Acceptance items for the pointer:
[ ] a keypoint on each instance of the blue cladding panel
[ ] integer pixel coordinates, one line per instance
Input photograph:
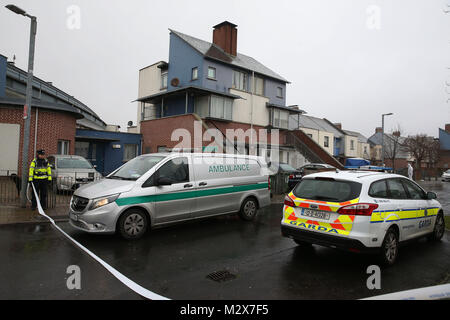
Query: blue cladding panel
(271, 91)
(182, 58)
(107, 158)
(2, 75)
(444, 139)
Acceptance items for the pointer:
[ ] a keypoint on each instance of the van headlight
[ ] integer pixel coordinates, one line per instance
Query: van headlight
(100, 202)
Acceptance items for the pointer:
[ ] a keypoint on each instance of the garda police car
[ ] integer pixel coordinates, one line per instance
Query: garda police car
(361, 211)
(159, 189)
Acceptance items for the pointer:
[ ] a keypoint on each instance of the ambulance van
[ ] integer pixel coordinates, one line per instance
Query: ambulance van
(161, 189)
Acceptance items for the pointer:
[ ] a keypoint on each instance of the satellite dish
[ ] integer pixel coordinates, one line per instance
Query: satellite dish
(130, 123)
(175, 82)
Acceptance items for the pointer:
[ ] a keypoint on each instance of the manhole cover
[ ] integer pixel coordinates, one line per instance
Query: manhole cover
(221, 276)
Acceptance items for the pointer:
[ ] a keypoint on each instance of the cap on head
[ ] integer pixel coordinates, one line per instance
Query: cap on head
(40, 152)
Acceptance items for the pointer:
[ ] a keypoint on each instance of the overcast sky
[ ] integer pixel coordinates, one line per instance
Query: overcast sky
(347, 60)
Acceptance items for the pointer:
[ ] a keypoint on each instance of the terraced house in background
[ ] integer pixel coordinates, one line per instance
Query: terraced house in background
(224, 89)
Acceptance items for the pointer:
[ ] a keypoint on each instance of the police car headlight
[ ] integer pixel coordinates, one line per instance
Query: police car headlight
(100, 202)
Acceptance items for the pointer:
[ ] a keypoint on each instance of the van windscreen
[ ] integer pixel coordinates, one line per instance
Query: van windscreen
(327, 190)
(135, 168)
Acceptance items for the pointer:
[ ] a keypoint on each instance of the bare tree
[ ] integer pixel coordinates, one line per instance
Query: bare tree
(418, 146)
(433, 153)
(393, 145)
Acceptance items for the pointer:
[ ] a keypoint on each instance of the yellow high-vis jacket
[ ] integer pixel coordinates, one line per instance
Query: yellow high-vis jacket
(40, 170)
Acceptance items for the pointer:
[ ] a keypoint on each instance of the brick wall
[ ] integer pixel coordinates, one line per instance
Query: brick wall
(52, 126)
(158, 132)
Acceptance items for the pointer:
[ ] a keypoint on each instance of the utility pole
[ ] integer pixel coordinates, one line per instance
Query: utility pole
(28, 100)
(382, 136)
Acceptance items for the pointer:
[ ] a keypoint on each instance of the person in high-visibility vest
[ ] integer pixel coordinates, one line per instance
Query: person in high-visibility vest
(40, 174)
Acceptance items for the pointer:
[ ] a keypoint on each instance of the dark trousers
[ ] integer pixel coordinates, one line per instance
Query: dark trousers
(41, 190)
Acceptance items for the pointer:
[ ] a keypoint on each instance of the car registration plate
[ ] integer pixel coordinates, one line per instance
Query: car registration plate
(323, 215)
(74, 217)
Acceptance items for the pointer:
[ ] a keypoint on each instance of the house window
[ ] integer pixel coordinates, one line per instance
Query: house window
(326, 142)
(280, 119)
(63, 147)
(212, 73)
(194, 73)
(82, 149)
(259, 86)
(221, 108)
(352, 145)
(279, 92)
(240, 80)
(164, 80)
(130, 151)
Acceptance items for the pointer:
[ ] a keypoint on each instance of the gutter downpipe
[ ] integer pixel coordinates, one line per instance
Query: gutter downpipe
(251, 112)
(35, 131)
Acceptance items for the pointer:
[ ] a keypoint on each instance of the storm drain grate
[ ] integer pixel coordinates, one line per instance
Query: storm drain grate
(221, 276)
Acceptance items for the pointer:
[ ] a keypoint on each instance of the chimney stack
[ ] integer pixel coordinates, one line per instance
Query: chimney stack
(225, 37)
(378, 130)
(396, 133)
(447, 127)
(338, 125)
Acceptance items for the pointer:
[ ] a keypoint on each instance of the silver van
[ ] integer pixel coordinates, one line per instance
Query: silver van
(160, 189)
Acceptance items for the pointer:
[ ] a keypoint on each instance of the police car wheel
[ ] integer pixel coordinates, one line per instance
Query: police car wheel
(439, 228)
(389, 248)
(248, 209)
(133, 224)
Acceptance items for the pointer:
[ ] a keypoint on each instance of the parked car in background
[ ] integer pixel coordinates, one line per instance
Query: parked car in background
(308, 169)
(285, 169)
(446, 175)
(70, 172)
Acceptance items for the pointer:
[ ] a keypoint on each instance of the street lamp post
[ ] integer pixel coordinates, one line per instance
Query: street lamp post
(382, 136)
(27, 106)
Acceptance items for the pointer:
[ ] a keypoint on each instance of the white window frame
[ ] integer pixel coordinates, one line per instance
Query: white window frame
(262, 92)
(280, 92)
(164, 80)
(65, 147)
(326, 141)
(215, 73)
(242, 80)
(194, 76)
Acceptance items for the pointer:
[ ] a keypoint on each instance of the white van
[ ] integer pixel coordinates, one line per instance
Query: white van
(159, 189)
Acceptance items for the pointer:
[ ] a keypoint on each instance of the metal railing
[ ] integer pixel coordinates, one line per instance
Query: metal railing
(59, 190)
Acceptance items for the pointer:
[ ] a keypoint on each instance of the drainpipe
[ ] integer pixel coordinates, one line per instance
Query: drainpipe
(251, 112)
(35, 130)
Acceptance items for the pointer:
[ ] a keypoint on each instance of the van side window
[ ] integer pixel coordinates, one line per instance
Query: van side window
(396, 189)
(414, 191)
(378, 189)
(177, 170)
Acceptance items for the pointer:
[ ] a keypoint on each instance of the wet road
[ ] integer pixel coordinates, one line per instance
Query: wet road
(175, 261)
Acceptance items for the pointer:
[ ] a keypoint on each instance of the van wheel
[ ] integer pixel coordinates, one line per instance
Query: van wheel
(389, 248)
(133, 224)
(249, 209)
(439, 228)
